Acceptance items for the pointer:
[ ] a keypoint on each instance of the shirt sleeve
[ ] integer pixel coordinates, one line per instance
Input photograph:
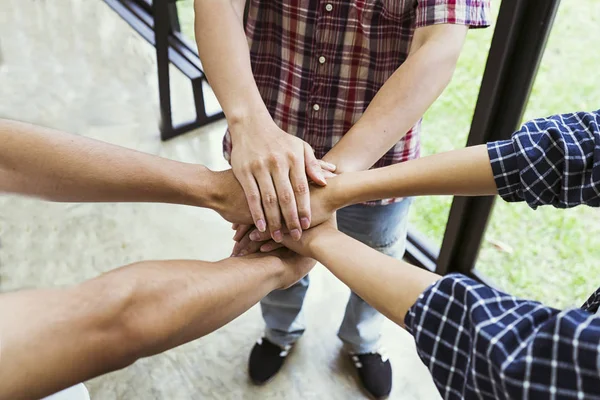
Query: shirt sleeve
(550, 161)
(481, 343)
(473, 13)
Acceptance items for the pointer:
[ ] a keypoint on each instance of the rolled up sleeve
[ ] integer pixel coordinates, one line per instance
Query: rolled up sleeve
(473, 13)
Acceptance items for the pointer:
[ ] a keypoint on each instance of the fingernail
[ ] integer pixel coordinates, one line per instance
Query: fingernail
(277, 236)
(261, 225)
(305, 223)
(295, 234)
(330, 165)
(265, 248)
(243, 253)
(255, 236)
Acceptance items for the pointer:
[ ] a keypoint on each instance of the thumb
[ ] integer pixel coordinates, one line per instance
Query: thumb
(313, 168)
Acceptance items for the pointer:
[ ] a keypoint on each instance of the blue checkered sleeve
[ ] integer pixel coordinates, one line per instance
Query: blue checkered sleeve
(550, 161)
(481, 343)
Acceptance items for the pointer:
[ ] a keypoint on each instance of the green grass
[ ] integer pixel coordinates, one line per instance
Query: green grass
(548, 255)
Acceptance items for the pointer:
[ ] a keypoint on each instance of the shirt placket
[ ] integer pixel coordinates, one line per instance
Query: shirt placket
(317, 106)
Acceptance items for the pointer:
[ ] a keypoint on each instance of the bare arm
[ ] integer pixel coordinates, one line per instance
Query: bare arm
(403, 99)
(223, 49)
(135, 311)
(389, 285)
(462, 172)
(271, 165)
(58, 166)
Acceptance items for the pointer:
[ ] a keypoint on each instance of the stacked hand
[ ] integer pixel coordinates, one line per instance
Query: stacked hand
(275, 190)
(250, 239)
(253, 240)
(230, 202)
(275, 186)
(273, 169)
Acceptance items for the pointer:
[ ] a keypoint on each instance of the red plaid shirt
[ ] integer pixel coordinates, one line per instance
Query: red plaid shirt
(318, 64)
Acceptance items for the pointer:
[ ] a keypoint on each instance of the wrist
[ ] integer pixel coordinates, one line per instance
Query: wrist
(273, 269)
(276, 269)
(342, 164)
(200, 187)
(322, 243)
(242, 120)
(351, 153)
(338, 189)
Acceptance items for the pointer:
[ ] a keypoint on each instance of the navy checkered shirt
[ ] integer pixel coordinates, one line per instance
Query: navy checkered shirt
(481, 343)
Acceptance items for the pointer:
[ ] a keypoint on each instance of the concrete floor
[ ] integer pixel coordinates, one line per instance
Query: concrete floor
(74, 65)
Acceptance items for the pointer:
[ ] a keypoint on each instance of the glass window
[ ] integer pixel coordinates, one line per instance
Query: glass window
(185, 10)
(553, 255)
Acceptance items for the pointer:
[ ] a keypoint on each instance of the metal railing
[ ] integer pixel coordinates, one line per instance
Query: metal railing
(158, 23)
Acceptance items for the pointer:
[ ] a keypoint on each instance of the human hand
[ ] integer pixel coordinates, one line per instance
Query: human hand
(324, 202)
(273, 169)
(228, 198)
(254, 241)
(305, 244)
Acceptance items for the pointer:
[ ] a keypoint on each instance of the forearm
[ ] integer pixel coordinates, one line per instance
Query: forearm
(463, 172)
(57, 166)
(223, 49)
(397, 107)
(389, 285)
(195, 298)
(109, 322)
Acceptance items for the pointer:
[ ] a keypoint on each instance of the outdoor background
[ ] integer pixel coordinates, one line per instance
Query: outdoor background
(549, 255)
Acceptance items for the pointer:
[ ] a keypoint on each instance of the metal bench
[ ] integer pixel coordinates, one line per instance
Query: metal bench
(158, 23)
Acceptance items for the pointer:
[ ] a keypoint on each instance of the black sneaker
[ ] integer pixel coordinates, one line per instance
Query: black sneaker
(266, 359)
(375, 373)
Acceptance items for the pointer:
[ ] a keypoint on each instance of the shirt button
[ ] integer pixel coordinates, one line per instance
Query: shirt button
(322, 60)
(316, 107)
(329, 7)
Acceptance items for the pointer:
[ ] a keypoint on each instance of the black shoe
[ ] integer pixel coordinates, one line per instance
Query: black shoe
(375, 373)
(266, 359)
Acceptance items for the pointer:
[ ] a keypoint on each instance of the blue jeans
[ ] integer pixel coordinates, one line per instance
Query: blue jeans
(380, 227)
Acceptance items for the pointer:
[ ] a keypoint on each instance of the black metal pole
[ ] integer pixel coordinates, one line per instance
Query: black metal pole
(160, 10)
(174, 16)
(517, 47)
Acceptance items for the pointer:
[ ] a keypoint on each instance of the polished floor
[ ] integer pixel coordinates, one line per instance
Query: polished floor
(74, 65)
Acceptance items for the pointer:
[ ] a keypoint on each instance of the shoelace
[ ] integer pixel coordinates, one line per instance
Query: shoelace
(381, 353)
(284, 351)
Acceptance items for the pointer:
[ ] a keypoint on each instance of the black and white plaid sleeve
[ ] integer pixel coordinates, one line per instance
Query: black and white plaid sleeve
(481, 343)
(554, 160)
(592, 304)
